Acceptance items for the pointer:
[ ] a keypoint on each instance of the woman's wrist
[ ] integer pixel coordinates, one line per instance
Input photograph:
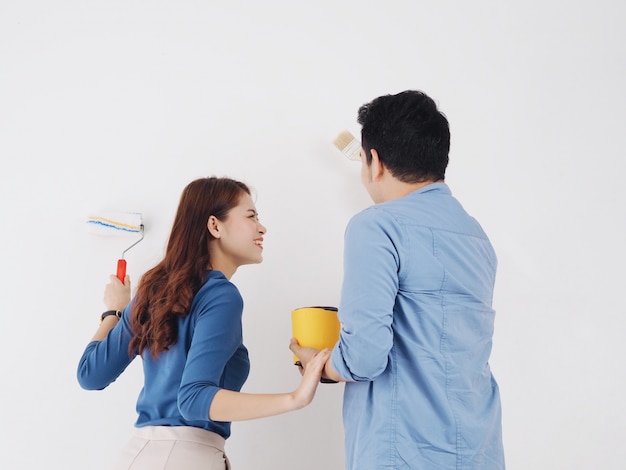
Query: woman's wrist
(111, 313)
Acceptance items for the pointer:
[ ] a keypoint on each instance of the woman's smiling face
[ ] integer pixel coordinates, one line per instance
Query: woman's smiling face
(238, 237)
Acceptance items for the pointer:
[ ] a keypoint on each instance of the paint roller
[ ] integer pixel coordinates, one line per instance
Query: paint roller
(125, 224)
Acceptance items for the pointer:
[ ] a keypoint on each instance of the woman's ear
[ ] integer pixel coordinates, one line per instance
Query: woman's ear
(213, 225)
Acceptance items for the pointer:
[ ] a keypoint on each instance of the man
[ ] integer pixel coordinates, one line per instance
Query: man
(416, 306)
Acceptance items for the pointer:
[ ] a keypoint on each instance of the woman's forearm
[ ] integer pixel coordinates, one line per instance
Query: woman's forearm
(103, 330)
(228, 405)
(236, 406)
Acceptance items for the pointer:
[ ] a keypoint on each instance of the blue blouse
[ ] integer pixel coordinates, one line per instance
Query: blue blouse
(179, 385)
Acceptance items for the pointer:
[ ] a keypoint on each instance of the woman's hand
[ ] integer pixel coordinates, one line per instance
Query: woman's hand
(305, 354)
(311, 376)
(116, 294)
(228, 405)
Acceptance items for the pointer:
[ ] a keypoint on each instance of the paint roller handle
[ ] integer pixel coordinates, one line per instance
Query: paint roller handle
(121, 269)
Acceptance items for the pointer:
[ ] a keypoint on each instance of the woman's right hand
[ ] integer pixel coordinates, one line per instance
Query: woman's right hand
(116, 294)
(311, 376)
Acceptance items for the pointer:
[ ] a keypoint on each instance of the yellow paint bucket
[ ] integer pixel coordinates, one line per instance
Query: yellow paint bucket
(315, 327)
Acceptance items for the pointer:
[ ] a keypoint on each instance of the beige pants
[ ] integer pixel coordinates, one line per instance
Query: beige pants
(173, 448)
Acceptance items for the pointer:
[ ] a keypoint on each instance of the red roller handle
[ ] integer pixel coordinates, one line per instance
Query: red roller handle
(121, 269)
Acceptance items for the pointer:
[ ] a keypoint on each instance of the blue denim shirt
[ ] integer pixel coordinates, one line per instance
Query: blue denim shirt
(417, 326)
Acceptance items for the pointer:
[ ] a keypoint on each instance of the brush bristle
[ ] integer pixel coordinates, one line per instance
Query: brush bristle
(348, 145)
(343, 139)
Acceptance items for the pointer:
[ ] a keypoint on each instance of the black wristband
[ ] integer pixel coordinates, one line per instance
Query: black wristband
(108, 313)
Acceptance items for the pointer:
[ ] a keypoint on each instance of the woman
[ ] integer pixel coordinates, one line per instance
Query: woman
(185, 323)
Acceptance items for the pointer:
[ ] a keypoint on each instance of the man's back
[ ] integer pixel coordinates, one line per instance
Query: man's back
(417, 330)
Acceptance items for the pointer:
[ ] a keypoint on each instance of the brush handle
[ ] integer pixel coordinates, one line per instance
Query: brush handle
(121, 269)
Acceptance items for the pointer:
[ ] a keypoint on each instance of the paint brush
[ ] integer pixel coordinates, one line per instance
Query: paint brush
(348, 145)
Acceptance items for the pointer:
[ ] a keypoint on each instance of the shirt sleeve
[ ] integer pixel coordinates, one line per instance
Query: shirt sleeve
(104, 361)
(370, 286)
(216, 338)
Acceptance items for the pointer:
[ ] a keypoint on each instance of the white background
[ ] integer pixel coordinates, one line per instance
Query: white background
(117, 105)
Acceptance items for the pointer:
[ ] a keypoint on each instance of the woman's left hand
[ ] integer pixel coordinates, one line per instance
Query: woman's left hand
(116, 294)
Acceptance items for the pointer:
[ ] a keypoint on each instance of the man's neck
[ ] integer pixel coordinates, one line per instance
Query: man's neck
(397, 189)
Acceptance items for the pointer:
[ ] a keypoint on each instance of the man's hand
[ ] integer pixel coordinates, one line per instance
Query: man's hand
(304, 354)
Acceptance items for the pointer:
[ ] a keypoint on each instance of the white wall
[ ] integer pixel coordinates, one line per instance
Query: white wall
(117, 105)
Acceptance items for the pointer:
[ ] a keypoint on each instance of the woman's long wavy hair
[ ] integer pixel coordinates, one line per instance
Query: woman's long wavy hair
(165, 292)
